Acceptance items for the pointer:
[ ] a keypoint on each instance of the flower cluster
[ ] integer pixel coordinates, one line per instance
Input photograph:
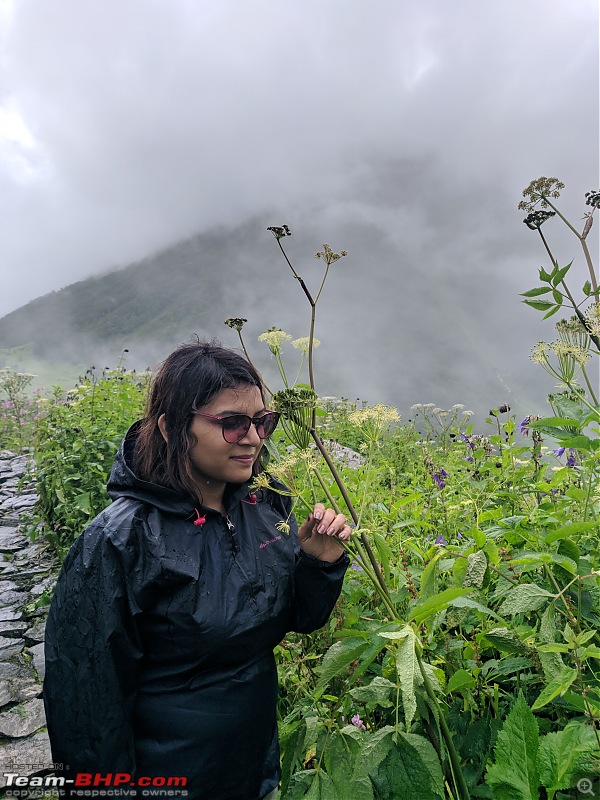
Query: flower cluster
(373, 421)
(439, 478)
(538, 191)
(303, 343)
(329, 256)
(592, 318)
(536, 219)
(593, 199)
(279, 232)
(274, 338)
(237, 323)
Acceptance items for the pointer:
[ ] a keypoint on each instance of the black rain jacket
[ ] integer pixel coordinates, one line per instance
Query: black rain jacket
(160, 637)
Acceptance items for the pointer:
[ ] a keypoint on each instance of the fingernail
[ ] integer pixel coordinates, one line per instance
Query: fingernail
(330, 531)
(321, 529)
(318, 515)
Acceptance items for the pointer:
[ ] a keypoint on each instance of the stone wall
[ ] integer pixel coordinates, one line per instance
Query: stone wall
(28, 571)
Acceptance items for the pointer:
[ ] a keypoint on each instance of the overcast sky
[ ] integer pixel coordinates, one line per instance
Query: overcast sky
(125, 126)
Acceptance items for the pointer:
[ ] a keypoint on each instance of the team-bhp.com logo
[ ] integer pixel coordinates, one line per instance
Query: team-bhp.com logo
(96, 784)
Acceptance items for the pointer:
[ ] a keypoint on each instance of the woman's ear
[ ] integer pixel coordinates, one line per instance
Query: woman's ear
(162, 427)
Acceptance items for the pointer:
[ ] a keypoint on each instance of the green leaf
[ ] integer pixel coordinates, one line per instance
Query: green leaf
(407, 667)
(514, 775)
(468, 602)
(566, 755)
(537, 291)
(476, 568)
(558, 275)
(523, 598)
(539, 305)
(340, 753)
(587, 288)
(552, 663)
(552, 311)
(556, 687)
(428, 577)
(375, 693)
(422, 610)
(460, 680)
(411, 770)
(505, 640)
(570, 529)
(544, 276)
(557, 296)
(336, 660)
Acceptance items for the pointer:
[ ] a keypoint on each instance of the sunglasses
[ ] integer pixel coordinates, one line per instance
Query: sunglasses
(236, 426)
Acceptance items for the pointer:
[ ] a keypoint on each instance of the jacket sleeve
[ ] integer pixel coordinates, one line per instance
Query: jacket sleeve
(317, 587)
(92, 653)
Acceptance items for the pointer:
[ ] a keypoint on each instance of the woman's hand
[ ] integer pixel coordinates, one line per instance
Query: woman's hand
(320, 533)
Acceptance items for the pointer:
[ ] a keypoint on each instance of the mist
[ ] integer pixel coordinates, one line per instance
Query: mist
(399, 132)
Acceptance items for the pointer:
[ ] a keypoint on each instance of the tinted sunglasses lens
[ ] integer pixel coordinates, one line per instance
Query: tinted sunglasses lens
(235, 427)
(267, 424)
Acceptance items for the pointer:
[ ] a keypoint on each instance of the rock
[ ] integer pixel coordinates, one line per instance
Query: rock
(23, 720)
(11, 540)
(26, 756)
(37, 651)
(13, 628)
(10, 598)
(10, 647)
(37, 632)
(9, 614)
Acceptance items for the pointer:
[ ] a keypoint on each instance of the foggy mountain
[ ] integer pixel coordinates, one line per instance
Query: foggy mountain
(396, 322)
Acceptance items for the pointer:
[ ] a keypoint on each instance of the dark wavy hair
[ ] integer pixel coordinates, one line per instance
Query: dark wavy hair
(187, 380)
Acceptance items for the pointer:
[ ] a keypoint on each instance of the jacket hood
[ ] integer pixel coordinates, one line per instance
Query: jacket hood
(123, 482)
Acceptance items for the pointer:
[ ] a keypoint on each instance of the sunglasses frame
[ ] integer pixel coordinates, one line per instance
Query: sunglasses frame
(256, 421)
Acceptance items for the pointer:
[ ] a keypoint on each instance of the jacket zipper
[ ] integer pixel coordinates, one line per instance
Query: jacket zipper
(231, 528)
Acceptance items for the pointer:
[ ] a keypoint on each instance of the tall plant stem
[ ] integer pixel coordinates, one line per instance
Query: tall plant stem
(452, 754)
(336, 476)
(592, 336)
(584, 246)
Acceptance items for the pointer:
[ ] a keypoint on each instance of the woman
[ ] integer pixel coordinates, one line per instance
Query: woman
(160, 637)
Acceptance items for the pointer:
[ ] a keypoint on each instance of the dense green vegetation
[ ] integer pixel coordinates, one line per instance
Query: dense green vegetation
(463, 659)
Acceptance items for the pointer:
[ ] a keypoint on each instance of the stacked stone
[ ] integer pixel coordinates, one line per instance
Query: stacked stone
(28, 572)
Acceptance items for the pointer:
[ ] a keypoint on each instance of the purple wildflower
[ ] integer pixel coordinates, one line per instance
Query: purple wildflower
(524, 426)
(558, 453)
(357, 567)
(357, 722)
(441, 539)
(438, 477)
(571, 458)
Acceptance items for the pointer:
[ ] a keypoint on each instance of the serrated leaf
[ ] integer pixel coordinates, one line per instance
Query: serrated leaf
(559, 275)
(411, 770)
(336, 660)
(552, 312)
(539, 305)
(566, 755)
(556, 687)
(407, 667)
(339, 758)
(537, 291)
(462, 679)
(476, 568)
(468, 602)
(514, 774)
(377, 692)
(523, 598)
(427, 585)
(422, 610)
(552, 663)
(505, 640)
(570, 529)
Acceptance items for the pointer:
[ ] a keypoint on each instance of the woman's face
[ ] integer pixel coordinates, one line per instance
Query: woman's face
(213, 459)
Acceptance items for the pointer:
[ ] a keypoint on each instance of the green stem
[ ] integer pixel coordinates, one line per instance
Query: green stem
(586, 252)
(452, 754)
(350, 507)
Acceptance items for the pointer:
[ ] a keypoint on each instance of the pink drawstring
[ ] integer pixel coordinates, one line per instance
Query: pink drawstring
(200, 520)
(251, 501)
